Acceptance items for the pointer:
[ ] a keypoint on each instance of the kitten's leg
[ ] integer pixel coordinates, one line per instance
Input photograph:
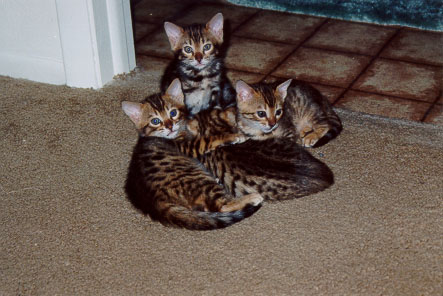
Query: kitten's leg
(311, 136)
(237, 204)
(208, 145)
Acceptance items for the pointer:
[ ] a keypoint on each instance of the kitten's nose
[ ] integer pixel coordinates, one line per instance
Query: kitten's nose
(272, 121)
(168, 124)
(199, 56)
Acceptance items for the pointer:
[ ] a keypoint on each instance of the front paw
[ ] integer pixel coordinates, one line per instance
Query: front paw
(239, 139)
(310, 140)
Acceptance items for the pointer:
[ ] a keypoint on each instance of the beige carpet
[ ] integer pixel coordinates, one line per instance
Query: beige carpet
(68, 229)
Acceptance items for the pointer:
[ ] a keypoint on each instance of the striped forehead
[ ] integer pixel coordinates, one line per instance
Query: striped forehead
(267, 93)
(195, 33)
(156, 102)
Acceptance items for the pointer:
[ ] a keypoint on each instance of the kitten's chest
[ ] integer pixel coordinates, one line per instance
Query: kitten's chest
(200, 95)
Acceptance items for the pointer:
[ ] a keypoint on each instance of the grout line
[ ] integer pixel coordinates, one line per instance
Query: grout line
(371, 61)
(431, 107)
(390, 96)
(244, 22)
(160, 26)
(294, 50)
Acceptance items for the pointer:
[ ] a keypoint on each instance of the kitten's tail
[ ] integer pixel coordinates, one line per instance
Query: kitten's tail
(179, 216)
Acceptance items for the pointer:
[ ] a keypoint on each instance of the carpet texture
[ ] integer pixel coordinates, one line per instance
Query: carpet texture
(67, 228)
(423, 14)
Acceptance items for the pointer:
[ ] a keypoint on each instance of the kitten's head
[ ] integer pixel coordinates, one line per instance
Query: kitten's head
(159, 116)
(196, 45)
(260, 106)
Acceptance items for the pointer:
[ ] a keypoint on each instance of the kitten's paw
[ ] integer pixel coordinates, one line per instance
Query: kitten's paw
(305, 131)
(239, 139)
(310, 140)
(255, 199)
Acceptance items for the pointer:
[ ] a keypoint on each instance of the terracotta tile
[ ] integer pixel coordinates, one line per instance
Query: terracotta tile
(156, 44)
(436, 115)
(204, 12)
(401, 79)
(325, 67)
(280, 27)
(255, 55)
(247, 77)
(416, 46)
(351, 37)
(330, 92)
(157, 11)
(383, 105)
(155, 66)
(142, 29)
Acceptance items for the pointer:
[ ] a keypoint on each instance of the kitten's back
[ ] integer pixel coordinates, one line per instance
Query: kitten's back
(277, 168)
(177, 191)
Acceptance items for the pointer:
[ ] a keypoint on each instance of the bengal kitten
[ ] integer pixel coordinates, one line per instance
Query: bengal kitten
(198, 63)
(289, 109)
(277, 168)
(170, 186)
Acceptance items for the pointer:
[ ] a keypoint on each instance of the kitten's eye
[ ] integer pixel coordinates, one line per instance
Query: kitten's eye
(173, 113)
(261, 114)
(156, 121)
(278, 112)
(188, 49)
(207, 47)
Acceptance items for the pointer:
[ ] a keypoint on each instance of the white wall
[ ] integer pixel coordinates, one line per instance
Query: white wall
(81, 43)
(30, 42)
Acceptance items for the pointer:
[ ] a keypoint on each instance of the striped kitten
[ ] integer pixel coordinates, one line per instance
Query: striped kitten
(276, 168)
(199, 65)
(288, 109)
(169, 186)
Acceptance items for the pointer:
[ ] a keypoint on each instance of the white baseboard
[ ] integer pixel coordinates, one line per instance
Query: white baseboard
(32, 68)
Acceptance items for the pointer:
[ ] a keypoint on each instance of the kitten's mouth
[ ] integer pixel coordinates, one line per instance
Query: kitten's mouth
(268, 130)
(172, 134)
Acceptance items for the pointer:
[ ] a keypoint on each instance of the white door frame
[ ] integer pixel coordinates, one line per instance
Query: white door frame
(96, 40)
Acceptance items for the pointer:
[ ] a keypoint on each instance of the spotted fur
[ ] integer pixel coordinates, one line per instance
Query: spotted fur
(170, 186)
(304, 115)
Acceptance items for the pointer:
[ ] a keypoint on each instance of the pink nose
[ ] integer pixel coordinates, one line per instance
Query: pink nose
(272, 121)
(198, 56)
(168, 124)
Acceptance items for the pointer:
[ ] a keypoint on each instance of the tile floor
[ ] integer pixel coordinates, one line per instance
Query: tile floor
(388, 71)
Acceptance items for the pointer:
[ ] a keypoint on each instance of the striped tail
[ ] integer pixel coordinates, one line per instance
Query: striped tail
(182, 217)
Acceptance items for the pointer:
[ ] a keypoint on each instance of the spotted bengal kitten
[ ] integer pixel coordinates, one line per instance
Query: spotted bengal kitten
(289, 109)
(293, 172)
(170, 186)
(198, 63)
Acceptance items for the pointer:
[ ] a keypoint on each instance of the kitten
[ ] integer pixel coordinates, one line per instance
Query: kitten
(276, 168)
(198, 63)
(165, 116)
(298, 108)
(169, 186)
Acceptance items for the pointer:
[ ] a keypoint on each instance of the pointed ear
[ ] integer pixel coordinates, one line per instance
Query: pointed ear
(134, 111)
(282, 89)
(175, 34)
(215, 26)
(175, 91)
(244, 91)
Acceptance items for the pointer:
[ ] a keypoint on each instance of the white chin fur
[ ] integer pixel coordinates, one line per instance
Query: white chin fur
(268, 130)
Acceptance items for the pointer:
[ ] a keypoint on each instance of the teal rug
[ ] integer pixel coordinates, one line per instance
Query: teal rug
(425, 14)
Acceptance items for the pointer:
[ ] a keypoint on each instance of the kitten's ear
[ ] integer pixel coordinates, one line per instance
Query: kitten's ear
(175, 91)
(175, 34)
(244, 91)
(282, 89)
(215, 26)
(134, 111)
